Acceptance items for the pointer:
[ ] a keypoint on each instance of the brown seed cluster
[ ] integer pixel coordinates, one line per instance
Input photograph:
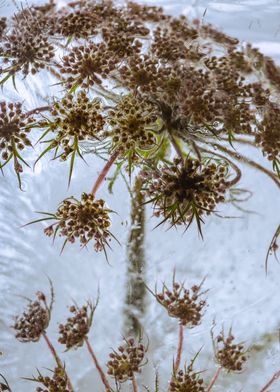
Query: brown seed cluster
(3, 25)
(34, 321)
(145, 12)
(75, 119)
(183, 304)
(56, 383)
(15, 126)
(87, 65)
(268, 135)
(218, 36)
(187, 381)
(126, 361)
(73, 333)
(78, 24)
(26, 51)
(185, 190)
(229, 355)
(131, 123)
(85, 220)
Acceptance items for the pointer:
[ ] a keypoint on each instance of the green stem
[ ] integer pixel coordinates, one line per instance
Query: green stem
(135, 296)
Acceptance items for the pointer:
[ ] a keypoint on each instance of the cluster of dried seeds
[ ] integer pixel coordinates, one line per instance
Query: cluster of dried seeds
(26, 51)
(187, 381)
(86, 65)
(14, 129)
(34, 321)
(267, 136)
(231, 356)
(56, 383)
(77, 326)
(75, 118)
(185, 190)
(85, 220)
(183, 304)
(131, 124)
(127, 361)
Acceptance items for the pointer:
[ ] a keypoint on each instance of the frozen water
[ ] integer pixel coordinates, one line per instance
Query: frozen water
(231, 256)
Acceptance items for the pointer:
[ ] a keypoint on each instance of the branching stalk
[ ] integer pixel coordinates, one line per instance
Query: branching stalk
(271, 381)
(214, 379)
(180, 348)
(134, 384)
(105, 171)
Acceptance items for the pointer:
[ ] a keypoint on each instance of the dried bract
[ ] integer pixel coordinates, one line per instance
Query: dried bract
(126, 361)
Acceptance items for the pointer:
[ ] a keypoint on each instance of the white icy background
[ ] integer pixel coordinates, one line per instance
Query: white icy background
(231, 255)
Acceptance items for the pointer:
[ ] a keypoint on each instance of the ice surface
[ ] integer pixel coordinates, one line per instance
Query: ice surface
(231, 256)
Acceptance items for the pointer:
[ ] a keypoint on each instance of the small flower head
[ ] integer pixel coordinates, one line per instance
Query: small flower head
(56, 383)
(26, 51)
(3, 25)
(87, 65)
(84, 220)
(187, 381)
(77, 24)
(75, 330)
(185, 190)
(183, 304)
(131, 122)
(126, 361)
(268, 136)
(14, 128)
(75, 119)
(229, 355)
(35, 319)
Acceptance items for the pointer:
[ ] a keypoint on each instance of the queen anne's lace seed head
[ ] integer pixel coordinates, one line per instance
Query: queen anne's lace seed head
(131, 122)
(34, 321)
(75, 330)
(78, 24)
(3, 25)
(86, 65)
(85, 220)
(187, 381)
(268, 135)
(229, 355)
(26, 51)
(185, 190)
(14, 128)
(56, 383)
(126, 361)
(75, 119)
(183, 304)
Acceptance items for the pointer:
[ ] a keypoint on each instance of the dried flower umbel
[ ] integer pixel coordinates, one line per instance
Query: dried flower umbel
(56, 383)
(85, 66)
(183, 304)
(35, 319)
(185, 190)
(15, 126)
(126, 361)
(132, 122)
(74, 332)
(86, 219)
(74, 119)
(187, 381)
(26, 52)
(229, 355)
